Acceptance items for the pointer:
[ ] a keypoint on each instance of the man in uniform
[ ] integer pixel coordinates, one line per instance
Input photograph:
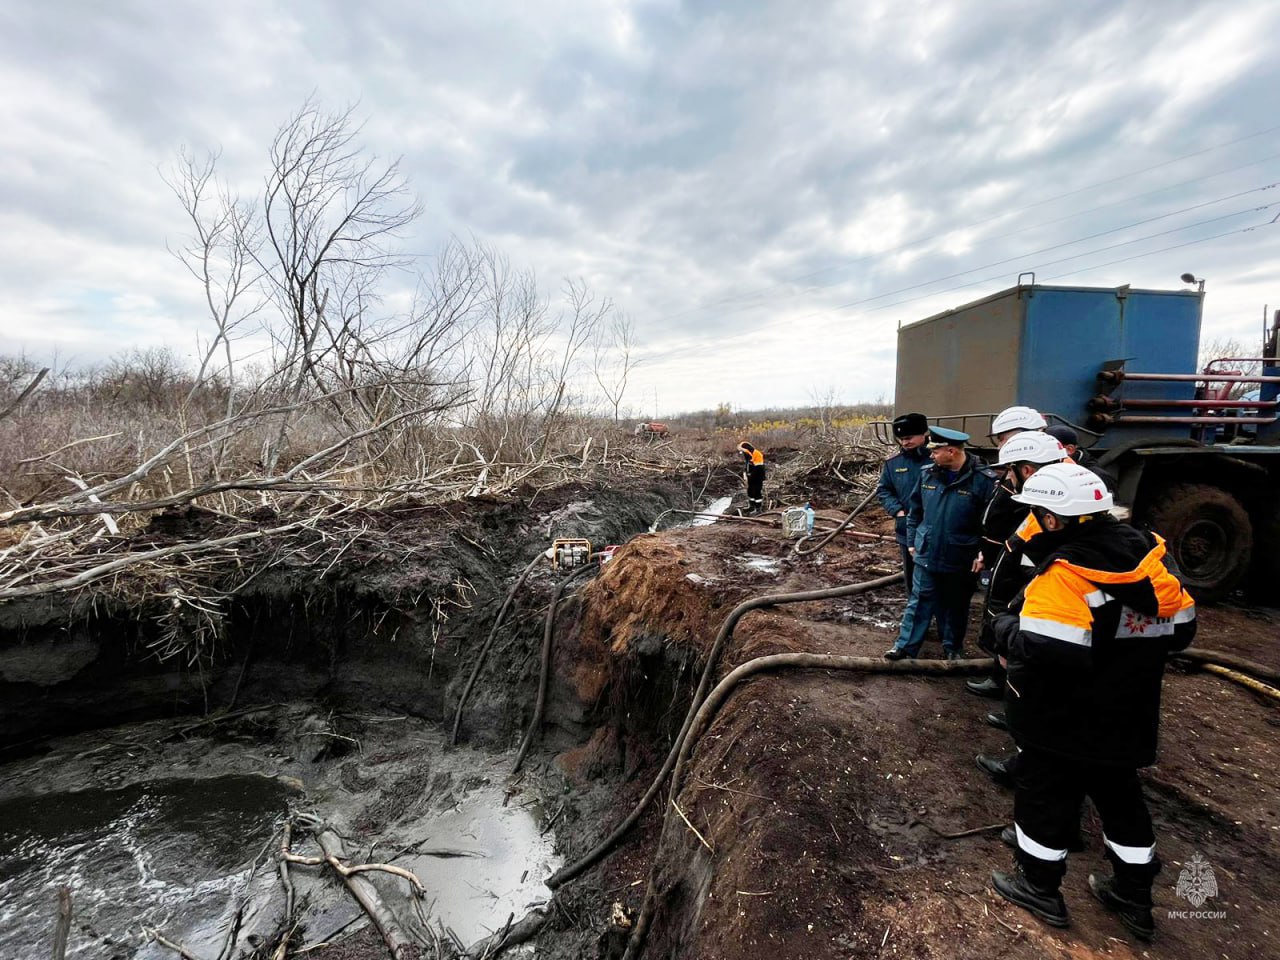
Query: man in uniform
(1086, 647)
(898, 479)
(944, 525)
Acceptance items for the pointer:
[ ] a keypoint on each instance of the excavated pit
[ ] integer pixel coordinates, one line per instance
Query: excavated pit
(814, 802)
(326, 693)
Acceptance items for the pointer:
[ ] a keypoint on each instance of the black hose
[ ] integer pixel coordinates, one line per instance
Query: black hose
(548, 634)
(1224, 659)
(605, 846)
(488, 641)
(716, 698)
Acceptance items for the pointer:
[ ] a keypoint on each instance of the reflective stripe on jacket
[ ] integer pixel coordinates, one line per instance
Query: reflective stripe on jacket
(1087, 645)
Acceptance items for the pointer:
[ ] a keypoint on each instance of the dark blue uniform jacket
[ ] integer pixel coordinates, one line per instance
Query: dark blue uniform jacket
(944, 521)
(898, 479)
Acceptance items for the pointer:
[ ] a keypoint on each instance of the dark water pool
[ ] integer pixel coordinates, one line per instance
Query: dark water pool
(161, 854)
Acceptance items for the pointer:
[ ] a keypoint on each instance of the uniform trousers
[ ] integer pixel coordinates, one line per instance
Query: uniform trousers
(908, 567)
(1048, 792)
(941, 596)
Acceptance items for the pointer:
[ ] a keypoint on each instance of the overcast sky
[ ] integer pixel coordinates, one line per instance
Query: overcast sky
(767, 189)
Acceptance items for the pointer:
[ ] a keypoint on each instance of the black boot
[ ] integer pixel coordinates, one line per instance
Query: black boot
(1132, 906)
(998, 770)
(986, 687)
(1047, 904)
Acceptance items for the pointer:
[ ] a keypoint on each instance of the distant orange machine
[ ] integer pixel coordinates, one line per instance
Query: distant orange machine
(651, 430)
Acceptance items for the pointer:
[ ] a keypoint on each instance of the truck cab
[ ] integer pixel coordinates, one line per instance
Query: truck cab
(1194, 460)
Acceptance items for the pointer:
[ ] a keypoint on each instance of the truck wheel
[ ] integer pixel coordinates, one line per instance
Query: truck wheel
(1208, 534)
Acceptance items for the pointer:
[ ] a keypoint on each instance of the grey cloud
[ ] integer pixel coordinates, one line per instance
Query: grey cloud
(723, 171)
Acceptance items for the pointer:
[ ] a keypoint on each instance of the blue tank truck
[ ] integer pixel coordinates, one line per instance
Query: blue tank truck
(1121, 367)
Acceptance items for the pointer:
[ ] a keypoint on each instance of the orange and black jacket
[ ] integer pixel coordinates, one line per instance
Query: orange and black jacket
(1087, 643)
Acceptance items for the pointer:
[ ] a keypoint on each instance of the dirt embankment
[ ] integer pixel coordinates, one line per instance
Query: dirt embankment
(813, 808)
(391, 623)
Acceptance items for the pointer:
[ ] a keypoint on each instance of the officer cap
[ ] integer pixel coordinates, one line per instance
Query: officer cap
(910, 425)
(945, 437)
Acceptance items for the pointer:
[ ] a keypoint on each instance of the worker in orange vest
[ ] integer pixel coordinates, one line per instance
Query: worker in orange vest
(753, 471)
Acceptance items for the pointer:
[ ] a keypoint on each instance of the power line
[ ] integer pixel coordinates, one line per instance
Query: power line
(1176, 246)
(1128, 199)
(1055, 246)
(1088, 253)
(1043, 250)
(1096, 266)
(1031, 206)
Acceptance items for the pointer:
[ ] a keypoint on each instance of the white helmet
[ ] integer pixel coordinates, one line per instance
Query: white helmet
(1032, 447)
(1067, 489)
(1017, 418)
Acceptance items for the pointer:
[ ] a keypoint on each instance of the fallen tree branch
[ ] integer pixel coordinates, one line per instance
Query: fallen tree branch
(66, 446)
(164, 941)
(102, 570)
(62, 931)
(511, 936)
(365, 893)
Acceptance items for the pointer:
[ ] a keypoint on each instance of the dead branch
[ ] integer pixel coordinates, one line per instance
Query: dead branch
(164, 941)
(108, 521)
(365, 893)
(8, 411)
(71, 505)
(66, 446)
(511, 936)
(62, 931)
(104, 569)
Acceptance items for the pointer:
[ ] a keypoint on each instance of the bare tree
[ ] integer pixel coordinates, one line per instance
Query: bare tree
(221, 254)
(826, 405)
(329, 215)
(578, 325)
(614, 360)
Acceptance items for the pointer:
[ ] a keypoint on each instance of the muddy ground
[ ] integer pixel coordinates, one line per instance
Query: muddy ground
(819, 796)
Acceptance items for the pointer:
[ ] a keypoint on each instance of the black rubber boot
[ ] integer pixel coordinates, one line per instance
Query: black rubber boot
(986, 687)
(1133, 907)
(997, 770)
(1046, 904)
